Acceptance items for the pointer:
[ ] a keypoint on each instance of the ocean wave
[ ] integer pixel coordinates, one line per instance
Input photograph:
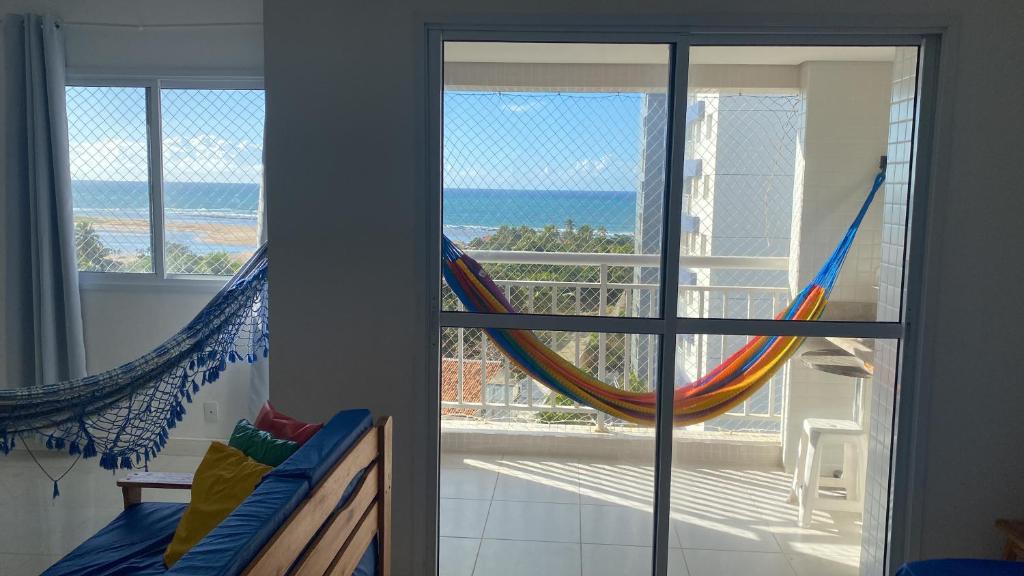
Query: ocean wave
(469, 232)
(175, 213)
(232, 213)
(142, 211)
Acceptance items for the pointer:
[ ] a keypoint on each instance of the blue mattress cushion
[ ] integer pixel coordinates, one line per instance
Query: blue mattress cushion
(962, 567)
(312, 461)
(229, 547)
(368, 563)
(133, 543)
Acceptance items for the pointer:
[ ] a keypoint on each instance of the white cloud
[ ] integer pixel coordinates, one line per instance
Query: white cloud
(521, 107)
(109, 159)
(200, 158)
(592, 166)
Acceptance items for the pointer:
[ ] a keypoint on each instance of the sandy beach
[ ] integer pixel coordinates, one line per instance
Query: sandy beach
(225, 232)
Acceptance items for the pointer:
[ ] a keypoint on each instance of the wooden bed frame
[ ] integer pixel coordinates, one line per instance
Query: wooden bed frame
(317, 539)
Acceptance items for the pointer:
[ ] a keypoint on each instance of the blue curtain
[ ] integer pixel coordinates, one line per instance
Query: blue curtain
(42, 336)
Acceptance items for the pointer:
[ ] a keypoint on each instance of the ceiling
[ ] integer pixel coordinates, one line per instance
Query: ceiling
(789, 55)
(553, 53)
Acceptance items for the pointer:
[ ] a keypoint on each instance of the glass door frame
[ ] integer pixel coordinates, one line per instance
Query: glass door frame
(904, 462)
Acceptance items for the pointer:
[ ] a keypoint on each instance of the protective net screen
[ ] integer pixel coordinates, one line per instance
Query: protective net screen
(560, 197)
(737, 202)
(547, 172)
(479, 384)
(212, 166)
(109, 156)
(211, 144)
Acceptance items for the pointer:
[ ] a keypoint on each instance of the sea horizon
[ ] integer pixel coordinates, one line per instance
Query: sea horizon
(120, 209)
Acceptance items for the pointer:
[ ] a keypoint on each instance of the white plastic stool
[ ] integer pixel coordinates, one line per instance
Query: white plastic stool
(807, 481)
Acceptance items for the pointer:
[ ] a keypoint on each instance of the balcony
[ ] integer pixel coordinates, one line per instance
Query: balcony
(532, 483)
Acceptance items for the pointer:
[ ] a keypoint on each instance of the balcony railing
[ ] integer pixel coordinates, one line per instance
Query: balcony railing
(478, 382)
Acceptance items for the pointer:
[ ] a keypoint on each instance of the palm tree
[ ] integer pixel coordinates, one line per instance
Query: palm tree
(93, 254)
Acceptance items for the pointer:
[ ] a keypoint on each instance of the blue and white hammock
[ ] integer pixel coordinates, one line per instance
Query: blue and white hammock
(124, 415)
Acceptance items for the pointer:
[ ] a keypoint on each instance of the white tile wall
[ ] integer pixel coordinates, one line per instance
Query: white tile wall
(844, 134)
(894, 215)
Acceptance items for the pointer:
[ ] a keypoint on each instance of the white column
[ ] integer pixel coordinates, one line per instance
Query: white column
(846, 114)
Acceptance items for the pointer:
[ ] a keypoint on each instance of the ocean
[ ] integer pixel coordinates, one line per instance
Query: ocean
(121, 210)
(468, 213)
(471, 213)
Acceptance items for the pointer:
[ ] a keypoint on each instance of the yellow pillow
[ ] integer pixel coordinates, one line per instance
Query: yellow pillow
(223, 480)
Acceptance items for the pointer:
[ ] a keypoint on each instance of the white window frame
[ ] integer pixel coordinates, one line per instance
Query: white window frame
(154, 84)
(903, 515)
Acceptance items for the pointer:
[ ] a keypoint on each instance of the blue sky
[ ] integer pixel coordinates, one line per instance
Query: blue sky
(208, 135)
(542, 141)
(534, 141)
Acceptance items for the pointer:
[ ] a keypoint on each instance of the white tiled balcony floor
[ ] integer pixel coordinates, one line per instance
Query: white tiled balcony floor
(522, 516)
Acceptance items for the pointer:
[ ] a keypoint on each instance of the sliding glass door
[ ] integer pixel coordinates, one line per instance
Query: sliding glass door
(670, 300)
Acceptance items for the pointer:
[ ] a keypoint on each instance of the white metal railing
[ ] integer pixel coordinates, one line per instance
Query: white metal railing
(481, 383)
(635, 260)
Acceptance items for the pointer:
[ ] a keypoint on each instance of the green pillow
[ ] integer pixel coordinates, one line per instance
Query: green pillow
(260, 445)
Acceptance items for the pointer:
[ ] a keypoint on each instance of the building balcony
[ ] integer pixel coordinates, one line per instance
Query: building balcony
(532, 483)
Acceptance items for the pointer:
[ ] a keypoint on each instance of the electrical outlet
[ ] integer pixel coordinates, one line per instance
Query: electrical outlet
(211, 411)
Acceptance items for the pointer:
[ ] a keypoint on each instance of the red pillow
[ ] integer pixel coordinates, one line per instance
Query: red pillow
(285, 427)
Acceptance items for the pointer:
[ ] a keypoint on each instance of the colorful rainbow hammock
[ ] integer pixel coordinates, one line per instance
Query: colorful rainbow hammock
(123, 416)
(715, 393)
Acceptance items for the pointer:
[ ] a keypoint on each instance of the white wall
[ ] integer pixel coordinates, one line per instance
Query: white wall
(156, 34)
(345, 157)
(3, 204)
(122, 323)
